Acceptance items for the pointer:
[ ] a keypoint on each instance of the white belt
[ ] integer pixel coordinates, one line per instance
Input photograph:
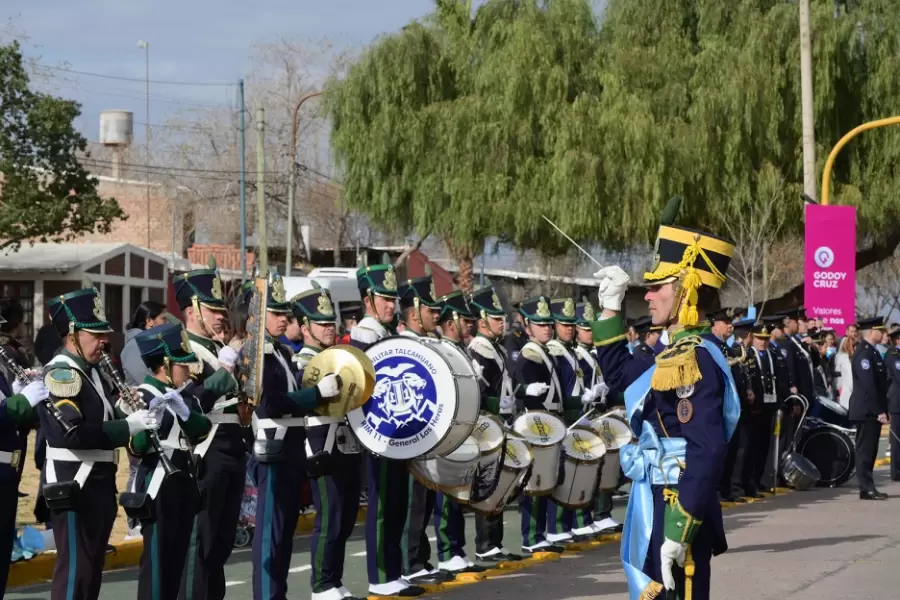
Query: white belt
(315, 421)
(11, 458)
(87, 458)
(276, 423)
(222, 419)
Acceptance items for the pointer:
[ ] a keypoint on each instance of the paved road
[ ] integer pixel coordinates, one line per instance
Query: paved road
(821, 544)
(120, 585)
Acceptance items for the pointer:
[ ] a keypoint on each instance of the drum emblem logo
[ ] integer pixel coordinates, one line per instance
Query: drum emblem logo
(403, 401)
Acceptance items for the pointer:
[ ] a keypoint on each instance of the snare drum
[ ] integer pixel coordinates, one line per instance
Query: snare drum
(544, 432)
(615, 433)
(426, 399)
(582, 452)
(514, 472)
(452, 474)
(490, 436)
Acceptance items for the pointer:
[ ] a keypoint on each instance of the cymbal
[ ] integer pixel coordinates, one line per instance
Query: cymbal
(356, 372)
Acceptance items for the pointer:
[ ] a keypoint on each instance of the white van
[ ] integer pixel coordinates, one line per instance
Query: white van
(342, 290)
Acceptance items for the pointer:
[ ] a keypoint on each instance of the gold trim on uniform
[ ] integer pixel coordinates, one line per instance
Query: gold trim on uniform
(98, 307)
(543, 309)
(217, 288)
(495, 301)
(278, 290)
(390, 280)
(689, 238)
(588, 311)
(325, 307)
(569, 308)
(185, 341)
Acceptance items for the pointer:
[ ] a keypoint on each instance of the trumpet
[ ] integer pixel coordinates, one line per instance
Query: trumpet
(22, 377)
(129, 398)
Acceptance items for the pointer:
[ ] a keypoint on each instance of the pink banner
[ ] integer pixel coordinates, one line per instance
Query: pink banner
(829, 273)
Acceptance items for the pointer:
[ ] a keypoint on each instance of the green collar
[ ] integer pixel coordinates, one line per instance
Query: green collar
(80, 362)
(315, 349)
(683, 332)
(156, 383)
(204, 341)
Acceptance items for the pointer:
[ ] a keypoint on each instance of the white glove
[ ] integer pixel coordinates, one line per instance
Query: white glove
(588, 397)
(329, 387)
(600, 390)
(174, 401)
(612, 287)
(536, 389)
(35, 392)
(141, 420)
(671, 552)
(227, 356)
(479, 370)
(507, 403)
(18, 386)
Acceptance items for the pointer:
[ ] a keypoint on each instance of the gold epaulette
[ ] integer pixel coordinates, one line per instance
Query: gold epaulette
(677, 366)
(63, 382)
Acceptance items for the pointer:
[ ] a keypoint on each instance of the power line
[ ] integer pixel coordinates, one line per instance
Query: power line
(137, 79)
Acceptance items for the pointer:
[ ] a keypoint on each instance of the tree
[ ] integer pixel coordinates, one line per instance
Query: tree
(473, 128)
(469, 128)
(47, 194)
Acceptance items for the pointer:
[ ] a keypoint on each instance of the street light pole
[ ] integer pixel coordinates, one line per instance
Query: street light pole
(292, 182)
(807, 111)
(146, 47)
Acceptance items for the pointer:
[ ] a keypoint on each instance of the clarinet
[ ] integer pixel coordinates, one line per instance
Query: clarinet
(128, 397)
(23, 378)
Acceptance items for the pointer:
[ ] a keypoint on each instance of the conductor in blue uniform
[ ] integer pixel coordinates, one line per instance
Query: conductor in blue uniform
(684, 409)
(278, 465)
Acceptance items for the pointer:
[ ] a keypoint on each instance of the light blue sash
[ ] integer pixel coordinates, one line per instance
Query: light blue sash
(654, 461)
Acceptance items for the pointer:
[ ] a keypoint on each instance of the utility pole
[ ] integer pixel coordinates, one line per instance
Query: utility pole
(146, 47)
(243, 145)
(261, 191)
(807, 103)
(292, 183)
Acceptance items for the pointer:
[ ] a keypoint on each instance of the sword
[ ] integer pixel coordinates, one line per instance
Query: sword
(573, 242)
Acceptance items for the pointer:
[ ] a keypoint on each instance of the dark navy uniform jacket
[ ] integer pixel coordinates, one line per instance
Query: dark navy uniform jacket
(892, 362)
(529, 369)
(703, 427)
(646, 354)
(870, 383)
(483, 350)
(208, 387)
(17, 418)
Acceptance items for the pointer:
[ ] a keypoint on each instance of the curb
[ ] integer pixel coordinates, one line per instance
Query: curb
(126, 554)
(882, 462)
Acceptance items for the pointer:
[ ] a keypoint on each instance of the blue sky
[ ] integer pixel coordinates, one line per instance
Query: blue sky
(190, 40)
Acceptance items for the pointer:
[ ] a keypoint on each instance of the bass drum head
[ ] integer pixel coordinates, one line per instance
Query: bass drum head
(831, 451)
(540, 428)
(413, 406)
(488, 433)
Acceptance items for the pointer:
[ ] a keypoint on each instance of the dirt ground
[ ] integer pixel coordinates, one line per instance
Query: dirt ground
(31, 478)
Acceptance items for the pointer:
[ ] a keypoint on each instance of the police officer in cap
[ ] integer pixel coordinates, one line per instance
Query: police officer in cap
(457, 322)
(278, 465)
(166, 503)
(388, 480)
(892, 362)
(538, 388)
(686, 409)
(496, 399)
(648, 337)
(83, 434)
(333, 458)
(223, 454)
(20, 399)
(419, 312)
(868, 404)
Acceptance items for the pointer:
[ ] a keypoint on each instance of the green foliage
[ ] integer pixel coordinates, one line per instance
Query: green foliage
(474, 127)
(46, 193)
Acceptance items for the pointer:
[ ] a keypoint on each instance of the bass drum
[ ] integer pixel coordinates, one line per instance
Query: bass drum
(453, 475)
(426, 399)
(831, 450)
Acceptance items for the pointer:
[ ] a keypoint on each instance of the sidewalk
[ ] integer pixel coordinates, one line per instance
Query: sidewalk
(822, 544)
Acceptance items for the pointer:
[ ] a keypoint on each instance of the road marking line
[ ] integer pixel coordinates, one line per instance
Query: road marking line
(300, 569)
(231, 583)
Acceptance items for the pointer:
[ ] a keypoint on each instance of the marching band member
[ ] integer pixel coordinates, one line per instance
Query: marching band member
(223, 454)
(419, 312)
(278, 466)
(559, 519)
(601, 522)
(17, 419)
(497, 399)
(388, 480)
(333, 458)
(539, 387)
(456, 322)
(169, 504)
(685, 409)
(83, 433)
